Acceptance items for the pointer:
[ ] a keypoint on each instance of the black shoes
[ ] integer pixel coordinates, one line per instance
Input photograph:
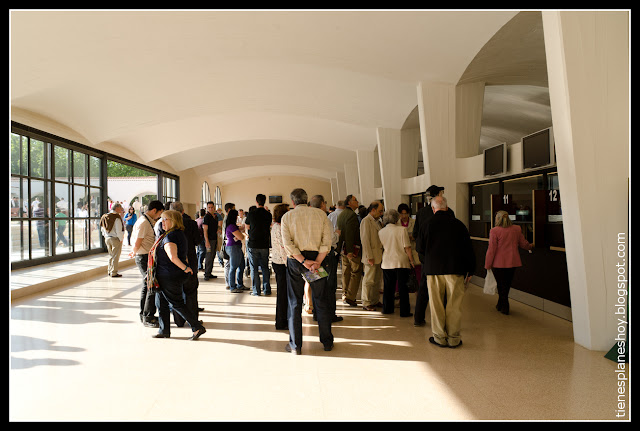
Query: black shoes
(197, 334)
(433, 341)
(151, 322)
(159, 335)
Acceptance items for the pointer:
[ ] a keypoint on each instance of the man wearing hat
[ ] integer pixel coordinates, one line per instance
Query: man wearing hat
(422, 218)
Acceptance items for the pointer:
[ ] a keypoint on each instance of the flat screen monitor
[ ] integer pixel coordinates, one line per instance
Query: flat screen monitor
(538, 150)
(273, 199)
(495, 160)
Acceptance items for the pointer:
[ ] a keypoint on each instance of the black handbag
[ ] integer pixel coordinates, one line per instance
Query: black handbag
(412, 283)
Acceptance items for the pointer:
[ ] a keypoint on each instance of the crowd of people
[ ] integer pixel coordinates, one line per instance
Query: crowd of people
(305, 243)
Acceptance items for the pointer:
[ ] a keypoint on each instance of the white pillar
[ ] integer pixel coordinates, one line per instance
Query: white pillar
(410, 141)
(469, 104)
(436, 105)
(351, 179)
(366, 160)
(588, 67)
(335, 193)
(342, 184)
(390, 155)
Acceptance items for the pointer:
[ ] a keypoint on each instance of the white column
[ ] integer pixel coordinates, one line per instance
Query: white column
(390, 155)
(436, 105)
(366, 160)
(469, 104)
(410, 141)
(588, 67)
(342, 184)
(335, 193)
(351, 179)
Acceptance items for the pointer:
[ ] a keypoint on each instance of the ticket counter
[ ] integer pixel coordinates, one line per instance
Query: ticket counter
(532, 201)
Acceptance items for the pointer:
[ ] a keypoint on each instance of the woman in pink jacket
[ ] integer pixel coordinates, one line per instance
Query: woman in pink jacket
(503, 257)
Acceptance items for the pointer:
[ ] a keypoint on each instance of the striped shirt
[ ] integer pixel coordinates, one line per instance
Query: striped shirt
(305, 228)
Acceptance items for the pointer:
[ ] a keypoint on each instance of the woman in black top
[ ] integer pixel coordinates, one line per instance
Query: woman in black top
(171, 273)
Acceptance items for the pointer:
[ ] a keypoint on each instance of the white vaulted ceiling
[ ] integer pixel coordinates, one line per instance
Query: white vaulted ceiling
(227, 93)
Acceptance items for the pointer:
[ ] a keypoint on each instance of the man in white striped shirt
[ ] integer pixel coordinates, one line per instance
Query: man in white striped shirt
(306, 237)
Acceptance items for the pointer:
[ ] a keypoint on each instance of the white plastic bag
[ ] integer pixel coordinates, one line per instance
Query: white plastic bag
(490, 284)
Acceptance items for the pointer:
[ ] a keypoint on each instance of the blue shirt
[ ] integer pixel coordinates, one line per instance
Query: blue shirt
(131, 220)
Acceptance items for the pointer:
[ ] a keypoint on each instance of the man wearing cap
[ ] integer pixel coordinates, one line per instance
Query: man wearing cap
(422, 218)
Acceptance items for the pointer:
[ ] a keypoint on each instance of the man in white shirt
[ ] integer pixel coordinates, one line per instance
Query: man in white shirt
(306, 237)
(112, 228)
(143, 238)
(333, 217)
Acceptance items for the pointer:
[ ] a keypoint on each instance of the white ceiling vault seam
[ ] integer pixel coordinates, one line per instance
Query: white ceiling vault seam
(226, 92)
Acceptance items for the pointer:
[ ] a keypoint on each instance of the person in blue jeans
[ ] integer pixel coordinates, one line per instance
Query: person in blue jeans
(233, 247)
(258, 227)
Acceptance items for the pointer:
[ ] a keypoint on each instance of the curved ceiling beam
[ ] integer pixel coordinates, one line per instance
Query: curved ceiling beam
(172, 141)
(287, 150)
(259, 161)
(234, 175)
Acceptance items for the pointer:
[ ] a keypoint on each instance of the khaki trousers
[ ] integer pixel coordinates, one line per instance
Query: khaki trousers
(114, 248)
(445, 322)
(351, 276)
(371, 283)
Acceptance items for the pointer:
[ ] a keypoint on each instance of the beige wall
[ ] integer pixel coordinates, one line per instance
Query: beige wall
(243, 193)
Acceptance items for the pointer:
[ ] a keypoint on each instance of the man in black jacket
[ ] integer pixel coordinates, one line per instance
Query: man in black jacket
(422, 218)
(448, 265)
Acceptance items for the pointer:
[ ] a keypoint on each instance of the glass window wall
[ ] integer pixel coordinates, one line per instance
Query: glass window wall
(58, 194)
(53, 212)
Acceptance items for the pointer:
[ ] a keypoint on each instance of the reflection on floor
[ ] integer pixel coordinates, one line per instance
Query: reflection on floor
(80, 353)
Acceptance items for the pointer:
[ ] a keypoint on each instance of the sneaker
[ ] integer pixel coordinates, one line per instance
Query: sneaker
(287, 348)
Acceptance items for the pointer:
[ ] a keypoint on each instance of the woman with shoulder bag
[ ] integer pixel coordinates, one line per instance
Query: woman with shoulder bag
(397, 263)
(171, 271)
(233, 248)
(502, 255)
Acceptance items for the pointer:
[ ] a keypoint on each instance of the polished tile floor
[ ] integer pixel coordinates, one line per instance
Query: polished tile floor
(79, 353)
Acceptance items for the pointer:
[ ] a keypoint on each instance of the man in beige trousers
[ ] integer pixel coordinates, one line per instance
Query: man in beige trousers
(112, 228)
(449, 264)
(371, 256)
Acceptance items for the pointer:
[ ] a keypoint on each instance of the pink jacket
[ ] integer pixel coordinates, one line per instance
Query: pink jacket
(503, 247)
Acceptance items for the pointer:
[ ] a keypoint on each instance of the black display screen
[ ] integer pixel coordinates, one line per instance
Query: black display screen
(536, 150)
(495, 160)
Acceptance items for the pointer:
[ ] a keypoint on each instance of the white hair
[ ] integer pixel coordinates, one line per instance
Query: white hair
(439, 203)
